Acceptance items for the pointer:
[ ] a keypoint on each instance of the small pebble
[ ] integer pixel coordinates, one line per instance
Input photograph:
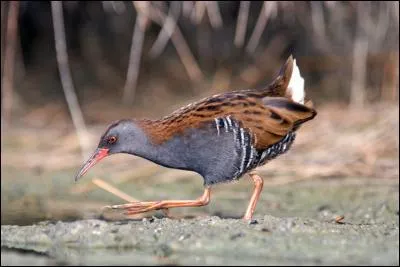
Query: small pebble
(339, 219)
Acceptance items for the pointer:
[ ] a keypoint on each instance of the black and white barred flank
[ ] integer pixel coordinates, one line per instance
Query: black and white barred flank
(249, 156)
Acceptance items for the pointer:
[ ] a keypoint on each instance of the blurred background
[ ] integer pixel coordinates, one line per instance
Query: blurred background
(70, 68)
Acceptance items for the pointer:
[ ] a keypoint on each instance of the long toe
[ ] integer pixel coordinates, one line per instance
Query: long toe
(136, 211)
(129, 205)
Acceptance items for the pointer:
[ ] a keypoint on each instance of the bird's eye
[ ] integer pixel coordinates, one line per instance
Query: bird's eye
(112, 140)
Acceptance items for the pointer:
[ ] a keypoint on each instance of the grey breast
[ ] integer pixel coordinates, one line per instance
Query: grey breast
(223, 150)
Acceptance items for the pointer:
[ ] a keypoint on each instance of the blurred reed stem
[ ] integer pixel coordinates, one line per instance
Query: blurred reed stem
(66, 78)
(9, 60)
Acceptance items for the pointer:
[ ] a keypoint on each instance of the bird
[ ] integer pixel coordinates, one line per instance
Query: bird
(222, 137)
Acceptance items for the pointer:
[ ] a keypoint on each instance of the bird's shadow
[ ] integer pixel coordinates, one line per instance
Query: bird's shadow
(160, 216)
(226, 216)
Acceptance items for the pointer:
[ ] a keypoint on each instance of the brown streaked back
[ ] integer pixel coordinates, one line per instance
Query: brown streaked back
(267, 119)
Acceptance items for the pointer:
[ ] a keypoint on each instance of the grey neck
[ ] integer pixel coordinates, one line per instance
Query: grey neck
(169, 154)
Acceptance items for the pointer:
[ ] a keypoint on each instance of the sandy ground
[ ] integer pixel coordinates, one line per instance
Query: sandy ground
(295, 224)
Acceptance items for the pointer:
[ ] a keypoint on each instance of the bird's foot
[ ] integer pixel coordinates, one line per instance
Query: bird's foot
(138, 207)
(145, 206)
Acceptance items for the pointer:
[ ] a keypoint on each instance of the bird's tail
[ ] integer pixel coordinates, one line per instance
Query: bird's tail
(288, 83)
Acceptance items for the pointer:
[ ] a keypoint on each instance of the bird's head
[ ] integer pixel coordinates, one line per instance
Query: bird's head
(123, 136)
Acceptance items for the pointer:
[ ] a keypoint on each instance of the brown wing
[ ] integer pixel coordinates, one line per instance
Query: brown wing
(280, 117)
(267, 119)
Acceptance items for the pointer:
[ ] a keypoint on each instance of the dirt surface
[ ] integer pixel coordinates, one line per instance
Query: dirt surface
(295, 224)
